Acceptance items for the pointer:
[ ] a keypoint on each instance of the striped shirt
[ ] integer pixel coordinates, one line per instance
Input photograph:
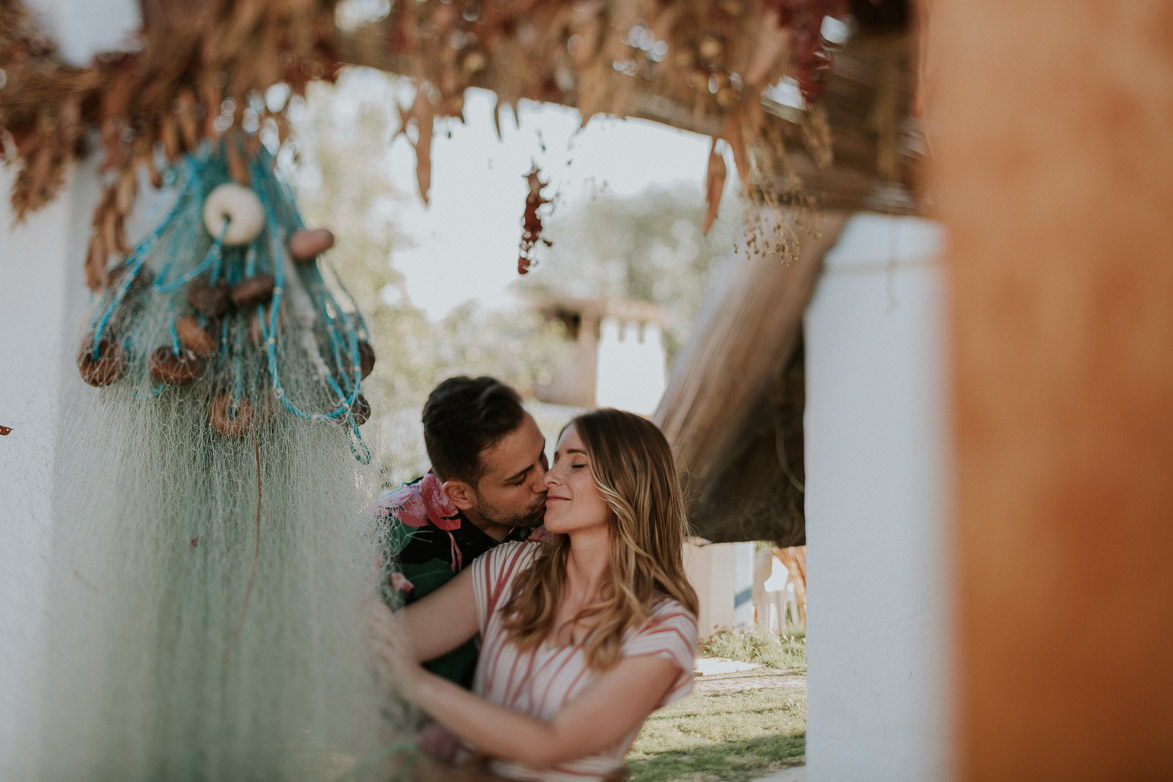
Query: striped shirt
(540, 681)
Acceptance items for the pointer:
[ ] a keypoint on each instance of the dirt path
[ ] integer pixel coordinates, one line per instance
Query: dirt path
(756, 679)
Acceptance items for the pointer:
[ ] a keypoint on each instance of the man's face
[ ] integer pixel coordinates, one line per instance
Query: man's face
(512, 489)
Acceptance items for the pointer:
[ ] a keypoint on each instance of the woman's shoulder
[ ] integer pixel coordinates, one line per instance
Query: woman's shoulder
(668, 617)
(512, 551)
(665, 605)
(667, 608)
(670, 632)
(495, 570)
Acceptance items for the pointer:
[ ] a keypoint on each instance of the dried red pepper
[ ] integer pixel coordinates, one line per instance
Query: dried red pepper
(532, 221)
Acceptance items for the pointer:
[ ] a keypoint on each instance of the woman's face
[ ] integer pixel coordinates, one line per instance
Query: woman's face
(573, 502)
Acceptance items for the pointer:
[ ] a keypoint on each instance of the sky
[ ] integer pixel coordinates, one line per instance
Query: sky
(466, 240)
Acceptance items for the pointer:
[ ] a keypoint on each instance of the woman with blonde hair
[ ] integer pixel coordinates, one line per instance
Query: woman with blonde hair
(584, 634)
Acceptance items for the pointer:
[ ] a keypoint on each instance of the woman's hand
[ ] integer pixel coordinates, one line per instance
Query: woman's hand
(387, 636)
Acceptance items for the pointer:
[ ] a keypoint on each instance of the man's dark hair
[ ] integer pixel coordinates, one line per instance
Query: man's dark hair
(462, 417)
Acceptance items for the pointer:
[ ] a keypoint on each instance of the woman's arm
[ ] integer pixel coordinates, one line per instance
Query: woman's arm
(433, 625)
(604, 713)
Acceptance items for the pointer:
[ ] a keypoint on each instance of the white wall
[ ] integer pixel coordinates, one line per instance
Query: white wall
(877, 624)
(723, 576)
(43, 291)
(631, 374)
(42, 295)
(709, 569)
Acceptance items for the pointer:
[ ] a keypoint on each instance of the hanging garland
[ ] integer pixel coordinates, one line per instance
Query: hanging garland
(531, 221)
(206, 67)
(201, 68)
(714, 57)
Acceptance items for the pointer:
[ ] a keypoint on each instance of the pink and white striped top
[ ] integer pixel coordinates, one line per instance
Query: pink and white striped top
(540, 681)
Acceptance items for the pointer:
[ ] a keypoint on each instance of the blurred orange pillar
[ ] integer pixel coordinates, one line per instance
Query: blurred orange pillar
(1054, 175)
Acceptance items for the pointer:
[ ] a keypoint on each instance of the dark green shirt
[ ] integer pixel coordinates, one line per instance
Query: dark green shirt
(427, 542)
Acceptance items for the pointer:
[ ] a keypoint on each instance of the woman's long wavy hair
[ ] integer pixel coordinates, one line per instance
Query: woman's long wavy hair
(632, 467)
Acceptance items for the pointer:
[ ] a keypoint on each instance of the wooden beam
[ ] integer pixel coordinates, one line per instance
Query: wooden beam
(872, 73)
(1056, 183)
(741, 342)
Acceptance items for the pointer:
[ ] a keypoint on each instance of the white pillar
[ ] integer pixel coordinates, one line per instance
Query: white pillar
(877, 580)
(42, 294)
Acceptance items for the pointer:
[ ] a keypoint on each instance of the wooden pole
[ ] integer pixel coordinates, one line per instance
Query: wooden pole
(740, 344)
(1055, 178)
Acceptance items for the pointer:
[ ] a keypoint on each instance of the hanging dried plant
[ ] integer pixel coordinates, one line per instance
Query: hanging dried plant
(713, 56)
(714, 186)
(204, 68)
(531, 221)
(200, 70)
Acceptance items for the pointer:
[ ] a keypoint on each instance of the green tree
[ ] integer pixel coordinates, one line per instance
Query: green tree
(645, 248)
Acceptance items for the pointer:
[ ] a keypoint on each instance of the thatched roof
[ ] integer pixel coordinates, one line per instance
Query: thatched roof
(733, 407)
(201, 72)
(844, 142)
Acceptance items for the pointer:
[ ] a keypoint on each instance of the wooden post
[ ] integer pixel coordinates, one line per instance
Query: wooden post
(1055, 178)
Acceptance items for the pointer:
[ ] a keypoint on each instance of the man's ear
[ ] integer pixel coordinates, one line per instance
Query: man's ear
(461, 494)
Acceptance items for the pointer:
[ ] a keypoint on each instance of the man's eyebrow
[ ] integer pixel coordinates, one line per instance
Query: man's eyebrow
(517, 475)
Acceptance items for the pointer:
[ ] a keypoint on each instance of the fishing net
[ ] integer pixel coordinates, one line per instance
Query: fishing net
(204, 618)
(205, 297)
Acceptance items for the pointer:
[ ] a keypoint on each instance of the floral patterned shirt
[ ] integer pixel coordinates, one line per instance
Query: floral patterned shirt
(426, 543)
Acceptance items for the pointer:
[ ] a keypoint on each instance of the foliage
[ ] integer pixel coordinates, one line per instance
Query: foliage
(343, 184)
(760, 646)
(727, 736)
(644, 248)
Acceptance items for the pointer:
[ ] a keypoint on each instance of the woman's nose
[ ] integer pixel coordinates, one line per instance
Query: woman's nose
(550, 478)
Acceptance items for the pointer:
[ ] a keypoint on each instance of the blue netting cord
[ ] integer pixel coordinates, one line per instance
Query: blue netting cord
(238, 364)
(189, 182)
(362, 453)
(171, 322)
(337, 329)
(211, 260)
(134, 264)
(356, 312)
(158, 390)
(223, 344)
(250, 261)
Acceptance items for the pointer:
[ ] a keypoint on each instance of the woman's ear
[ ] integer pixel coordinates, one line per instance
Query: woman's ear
(461, 494)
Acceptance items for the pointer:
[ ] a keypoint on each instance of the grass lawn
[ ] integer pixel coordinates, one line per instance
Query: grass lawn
(730, 728)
